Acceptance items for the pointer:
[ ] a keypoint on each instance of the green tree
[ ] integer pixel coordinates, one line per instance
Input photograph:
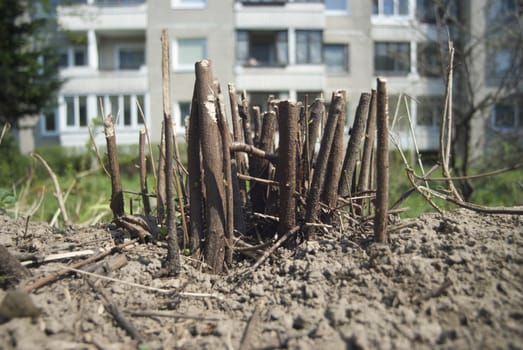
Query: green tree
(29, 78)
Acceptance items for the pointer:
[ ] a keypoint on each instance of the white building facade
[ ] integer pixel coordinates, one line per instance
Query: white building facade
(287, 49)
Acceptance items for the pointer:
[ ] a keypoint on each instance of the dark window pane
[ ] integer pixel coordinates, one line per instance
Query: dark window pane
(308, 46)
(127, 110)
(375, 7)
(64, 61)
(504, 115)
(50, 121)
(392, 58)
(82, 109)
(131, 58)
(242, 46)
(185, 111)
(114, 108)
(335, 57)
(79, 57)
(70, 118)
(282, 47)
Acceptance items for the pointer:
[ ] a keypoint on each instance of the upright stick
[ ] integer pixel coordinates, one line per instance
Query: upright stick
(382, 194)
(354, 145)
(318, 179)
(368, 148)
(195, 180)
(172, 263)
(288, 124)
(143, 174)
(212, 155)
(335, 164)
(117, 205)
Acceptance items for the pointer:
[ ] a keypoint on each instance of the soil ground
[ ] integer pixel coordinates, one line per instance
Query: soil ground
(444, 282)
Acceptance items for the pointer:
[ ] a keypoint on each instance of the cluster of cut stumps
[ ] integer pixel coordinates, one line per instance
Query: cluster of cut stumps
(279, 177)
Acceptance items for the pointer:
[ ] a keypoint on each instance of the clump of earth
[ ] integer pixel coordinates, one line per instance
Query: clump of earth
(451, 281)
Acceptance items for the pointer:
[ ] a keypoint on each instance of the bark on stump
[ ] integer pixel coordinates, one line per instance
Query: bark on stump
(212, 157)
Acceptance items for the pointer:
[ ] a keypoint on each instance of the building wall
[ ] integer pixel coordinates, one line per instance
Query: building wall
(219, 21)
(213, 22)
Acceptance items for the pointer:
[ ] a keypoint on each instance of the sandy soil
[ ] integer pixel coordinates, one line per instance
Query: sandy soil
(451, 282)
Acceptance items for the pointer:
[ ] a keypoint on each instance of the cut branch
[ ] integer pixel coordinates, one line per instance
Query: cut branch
(242, 147)
(382, 194)
(354, 145)
(172, 262)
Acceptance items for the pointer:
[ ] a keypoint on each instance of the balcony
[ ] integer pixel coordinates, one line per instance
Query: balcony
(114, 3)
(275, 2)
(104, 15)
(297, 77)
(269, 14)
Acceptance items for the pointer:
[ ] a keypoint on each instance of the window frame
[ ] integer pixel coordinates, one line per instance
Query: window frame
(43, 123)
(493, 115)
(427, 67)
(244, 51)
(121, 110)
(339, 12)
(70, 53)
(379, 10)
(186, 67)
(346, 58)
(188, 5)
(309, 42)
(135, 47)
(77, 112)
(396, 62)
(434, 103)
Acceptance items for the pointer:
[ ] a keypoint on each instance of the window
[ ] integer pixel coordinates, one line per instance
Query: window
(188, 4)
(188, 52)
(429, 110)
(131, 58)
(504, 115)
(502, 10)
(73, 57)
(70, 111)
(124, 108)
(184, 112)
(390, 7)
(109, 3)
(336, 5)
(429, 59)
(127, 110)
(432, 11)
(49, 123)
(262, 48)
(392, 58)
(82, 110)
(308, 46)
(503, 61)
(336, 57)
(75, 111)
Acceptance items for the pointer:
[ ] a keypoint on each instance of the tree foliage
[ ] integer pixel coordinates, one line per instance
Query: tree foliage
(29, 76)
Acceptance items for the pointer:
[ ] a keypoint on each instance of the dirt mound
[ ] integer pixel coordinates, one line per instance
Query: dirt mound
(452, 282)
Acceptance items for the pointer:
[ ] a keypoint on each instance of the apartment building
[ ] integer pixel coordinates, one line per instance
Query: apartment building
(104, 68)
(283, 48)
